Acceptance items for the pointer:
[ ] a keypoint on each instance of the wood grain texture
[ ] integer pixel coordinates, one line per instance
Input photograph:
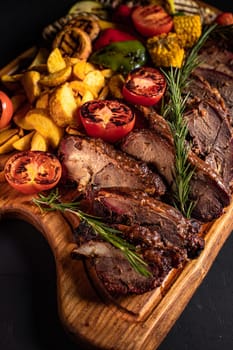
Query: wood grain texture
(131, 322)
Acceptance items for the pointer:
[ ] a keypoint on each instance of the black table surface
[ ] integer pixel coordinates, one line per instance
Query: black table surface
(28, 307)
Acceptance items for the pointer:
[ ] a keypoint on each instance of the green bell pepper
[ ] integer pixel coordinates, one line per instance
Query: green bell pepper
(122, 56)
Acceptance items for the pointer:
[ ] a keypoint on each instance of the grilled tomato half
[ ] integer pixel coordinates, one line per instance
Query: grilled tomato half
(109, 120)
(151, 20)
(31, 172)
(144, 86)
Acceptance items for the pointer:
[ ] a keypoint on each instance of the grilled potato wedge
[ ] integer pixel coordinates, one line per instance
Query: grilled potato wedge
(56, 78)
(24, 143)
(62, 106)
(6, 134)
(80, 88)
(30, 82)
(39, 143)
(43, 100)
(12, 82)
(39, 119)
(95, 81)
(19, 117)
(81, 68)
(115, 85)
(55, 61)
(8, 145)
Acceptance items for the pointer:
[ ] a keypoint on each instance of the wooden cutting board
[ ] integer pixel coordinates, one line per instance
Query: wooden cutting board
(132, 322)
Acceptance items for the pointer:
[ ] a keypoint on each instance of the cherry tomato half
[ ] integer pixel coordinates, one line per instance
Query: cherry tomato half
(224, 18)
(151, 20)
(107, 119)
(6, 110)
(144, 86)
(33, 171)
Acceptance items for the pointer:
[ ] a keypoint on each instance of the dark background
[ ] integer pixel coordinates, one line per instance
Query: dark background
(28, 307)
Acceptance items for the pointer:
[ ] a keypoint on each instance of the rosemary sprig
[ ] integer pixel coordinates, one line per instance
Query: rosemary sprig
(183, 170)
(177, 80)
(52, 202)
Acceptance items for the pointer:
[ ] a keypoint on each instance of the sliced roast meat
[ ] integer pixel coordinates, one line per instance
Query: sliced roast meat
(217, 56)
(152, 148)
(93, 162)
(111, 271)
(154, 145)
(157, 123)
(124, 189)
(207, 190)
(164, 220)
(204, 122)
(223, 82)
(212, 137)
(147, 237)
(209, 187)
(161, 251)
(199, 89)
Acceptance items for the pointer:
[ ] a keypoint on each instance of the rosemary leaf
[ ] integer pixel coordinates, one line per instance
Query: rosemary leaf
(110, 234)
(177, 80)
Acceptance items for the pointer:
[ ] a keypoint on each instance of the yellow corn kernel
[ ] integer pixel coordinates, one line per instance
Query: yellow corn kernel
(165, 50)
(188, 29)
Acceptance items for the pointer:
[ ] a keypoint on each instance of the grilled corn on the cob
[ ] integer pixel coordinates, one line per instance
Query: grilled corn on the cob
(165, 50)
(188, 28)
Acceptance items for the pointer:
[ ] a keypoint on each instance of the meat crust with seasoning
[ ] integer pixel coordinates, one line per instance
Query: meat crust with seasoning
(93, 162)
(161, 235)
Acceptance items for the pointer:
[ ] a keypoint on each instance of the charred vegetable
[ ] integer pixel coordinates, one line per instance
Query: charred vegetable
(110, 120)
(121, 56)
(33, 171)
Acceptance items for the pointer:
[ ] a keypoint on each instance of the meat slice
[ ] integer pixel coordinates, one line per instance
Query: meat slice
(152, 148)
(207, 190)
(92, 162)
(199, 89)
(223, 82)
(157, 123)
(212, 137)
(164, 239)
(174, 230)
(111, 272)
(217, 56)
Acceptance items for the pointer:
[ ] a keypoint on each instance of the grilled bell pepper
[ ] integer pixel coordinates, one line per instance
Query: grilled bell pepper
(123, 56)
(109, 36)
